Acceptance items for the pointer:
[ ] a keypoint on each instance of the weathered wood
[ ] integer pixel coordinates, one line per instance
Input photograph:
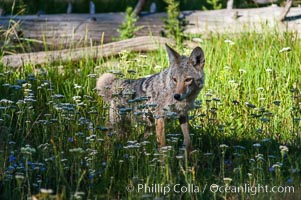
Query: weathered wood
(69, 29)
(144, 43)
(264, 1)
(75, 30)
(287, 8)
(139, 7)
(247, 20)
(230, 4)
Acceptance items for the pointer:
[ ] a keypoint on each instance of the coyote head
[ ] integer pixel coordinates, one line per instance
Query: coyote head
(186, 73)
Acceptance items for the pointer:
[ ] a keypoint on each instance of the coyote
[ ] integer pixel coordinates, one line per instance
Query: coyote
(173, 90)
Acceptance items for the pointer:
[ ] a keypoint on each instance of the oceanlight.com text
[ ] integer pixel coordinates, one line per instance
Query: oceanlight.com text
(213, 188)
(251, 189)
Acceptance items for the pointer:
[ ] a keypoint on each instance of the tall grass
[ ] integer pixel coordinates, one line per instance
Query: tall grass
(245, 128)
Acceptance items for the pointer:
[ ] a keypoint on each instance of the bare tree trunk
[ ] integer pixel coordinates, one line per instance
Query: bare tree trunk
(230, 4)
(287, 8)
(139, 7)
(1, 11)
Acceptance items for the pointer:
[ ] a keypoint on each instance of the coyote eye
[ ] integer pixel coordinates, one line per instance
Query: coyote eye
(174, 79)
(188, 80)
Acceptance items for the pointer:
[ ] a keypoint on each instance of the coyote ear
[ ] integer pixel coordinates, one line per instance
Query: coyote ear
(173, 56)
(197, 58)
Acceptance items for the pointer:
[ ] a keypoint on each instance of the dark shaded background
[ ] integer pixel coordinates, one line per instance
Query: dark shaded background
(82, 6)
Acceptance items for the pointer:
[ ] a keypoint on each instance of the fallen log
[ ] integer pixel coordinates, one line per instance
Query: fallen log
(140, 44)
(76, 30)
(237, 21)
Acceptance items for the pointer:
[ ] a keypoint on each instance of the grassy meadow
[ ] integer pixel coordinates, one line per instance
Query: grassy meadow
(54, 143)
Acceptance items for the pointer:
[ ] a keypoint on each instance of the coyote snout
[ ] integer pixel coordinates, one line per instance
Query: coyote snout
(177, 97)
(174, 89)
(183, 87)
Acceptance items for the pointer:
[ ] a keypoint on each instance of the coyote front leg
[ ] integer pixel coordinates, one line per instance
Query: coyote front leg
(160, 132)
(185, 130)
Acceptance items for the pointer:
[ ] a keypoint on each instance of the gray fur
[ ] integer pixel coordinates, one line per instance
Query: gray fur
(160, 88)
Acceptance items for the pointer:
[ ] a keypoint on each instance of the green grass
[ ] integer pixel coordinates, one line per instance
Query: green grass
(245, 129)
